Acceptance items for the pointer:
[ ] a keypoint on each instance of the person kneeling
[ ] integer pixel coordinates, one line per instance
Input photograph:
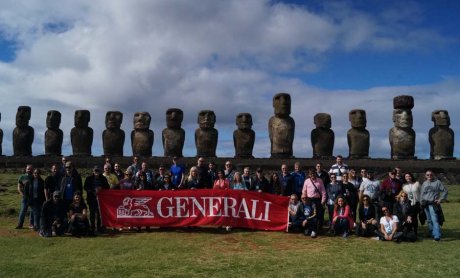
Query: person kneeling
(306, 217)
(78, 216)
(342, 220)
(389, 227)
(53, 216)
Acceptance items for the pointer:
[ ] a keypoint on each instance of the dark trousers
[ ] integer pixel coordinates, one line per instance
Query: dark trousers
(94, 216)
(319, 213)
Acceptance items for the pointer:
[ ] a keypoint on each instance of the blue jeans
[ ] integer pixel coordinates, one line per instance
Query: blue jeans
(433, 222)
(23, 211)
(36, 213)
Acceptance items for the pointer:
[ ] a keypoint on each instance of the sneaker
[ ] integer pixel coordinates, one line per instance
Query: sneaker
(437, 239)
(31, 227)
(313, 234)
(228, 229)
(18, 227)
(345, 235)
(376, 238)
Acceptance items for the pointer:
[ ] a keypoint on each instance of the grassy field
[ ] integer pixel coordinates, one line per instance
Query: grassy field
(212, 252)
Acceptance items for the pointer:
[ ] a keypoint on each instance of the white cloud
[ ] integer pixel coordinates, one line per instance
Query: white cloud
(227, 56)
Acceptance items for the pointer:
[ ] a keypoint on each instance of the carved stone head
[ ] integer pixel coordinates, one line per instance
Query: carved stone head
(282, 104)
(402, 118)
(142, 120)
(174, 117)
(23, 116)
(357, 118)
(322, 120)
(244, 121)
(206, 119)
(82, 118)
(53, 119)
(113, 119)
(440, 118)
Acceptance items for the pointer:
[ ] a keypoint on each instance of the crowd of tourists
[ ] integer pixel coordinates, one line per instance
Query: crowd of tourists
(355, 202)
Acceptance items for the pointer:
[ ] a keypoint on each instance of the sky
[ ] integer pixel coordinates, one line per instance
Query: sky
(229, 56)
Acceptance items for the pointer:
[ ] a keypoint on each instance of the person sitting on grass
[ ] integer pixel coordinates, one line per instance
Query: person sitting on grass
(306, 217)
(342, 219)
(78, 216)
(368, 218)
(53, 218)
(294, 206)
(389, 227)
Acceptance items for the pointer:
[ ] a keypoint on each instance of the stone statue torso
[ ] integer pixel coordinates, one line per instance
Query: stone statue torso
(206, 141)
(281, 136)
(23, 138)
(82, 140)
(53, 141)
(402, 142)
(142, 142)
(173, 141)
(243, 141)
(113, 141)
(322, 141)
(358, 143)
(442, 142)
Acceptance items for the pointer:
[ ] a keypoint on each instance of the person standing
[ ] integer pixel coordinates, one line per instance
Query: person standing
(70, 183)
(93, 184)
(177, 173)
(36, 196)
(110, 176)
(24, 181)
(313, 188)
(389, 189)
(432, 194)
(299, 179)
(52, 182)
(339, 168)
(287, 181)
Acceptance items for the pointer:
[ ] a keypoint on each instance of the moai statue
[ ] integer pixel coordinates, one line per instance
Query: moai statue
(173, 135)
(81, 136)
(402, 136)
(281, 127)
(53, 134)
(113, 138)
(142, 135)
(23, 134)
(206, 135)
(244, 136)
(322, 137)
(441, 136)
(1, 137)
(358, 136)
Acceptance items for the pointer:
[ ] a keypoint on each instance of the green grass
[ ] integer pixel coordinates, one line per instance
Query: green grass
(211, 252)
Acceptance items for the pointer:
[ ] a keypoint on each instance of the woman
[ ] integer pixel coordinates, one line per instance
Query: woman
(368, 218)
(413, 190)
(333, 190)
(36, 197)
(142, 183)
(342, 220)
(193, 181)
(221, 182)
(350, 193)
(275, 184)
(388, 230)
(408, 220)
(354, 179)
(261, 184)
(237, 182)
(78, 216)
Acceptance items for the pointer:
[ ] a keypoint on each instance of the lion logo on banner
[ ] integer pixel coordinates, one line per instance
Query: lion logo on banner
(134, 208)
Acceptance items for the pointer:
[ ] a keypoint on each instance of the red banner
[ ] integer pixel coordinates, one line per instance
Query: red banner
(205, 207)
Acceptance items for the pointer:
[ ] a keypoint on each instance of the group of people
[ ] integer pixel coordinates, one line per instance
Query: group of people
(388, 210)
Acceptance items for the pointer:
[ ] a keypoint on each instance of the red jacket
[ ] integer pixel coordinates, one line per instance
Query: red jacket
(346, 214)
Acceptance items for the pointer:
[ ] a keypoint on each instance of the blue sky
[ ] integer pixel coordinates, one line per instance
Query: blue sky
(230, 57)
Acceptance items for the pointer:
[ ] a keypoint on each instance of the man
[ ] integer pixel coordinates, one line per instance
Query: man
(160, 177)
(299, 179)
(287, 181)
(93, 184)
(135, 165)
(229, 171)
(24, 182)
(433, 193)
(110, 176)
(177, 172)
(61, 168)
(314, 189)
(399, 174)
(260, 183)
(247, 179)
(149, 173)
(53, 216)
(339, 168)
(203, 173)
(118, 171)
(52, 182)
(307, 217)
(322, 174)
(371, 188)
(212, 172)
(70, 183)
(389, 189)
